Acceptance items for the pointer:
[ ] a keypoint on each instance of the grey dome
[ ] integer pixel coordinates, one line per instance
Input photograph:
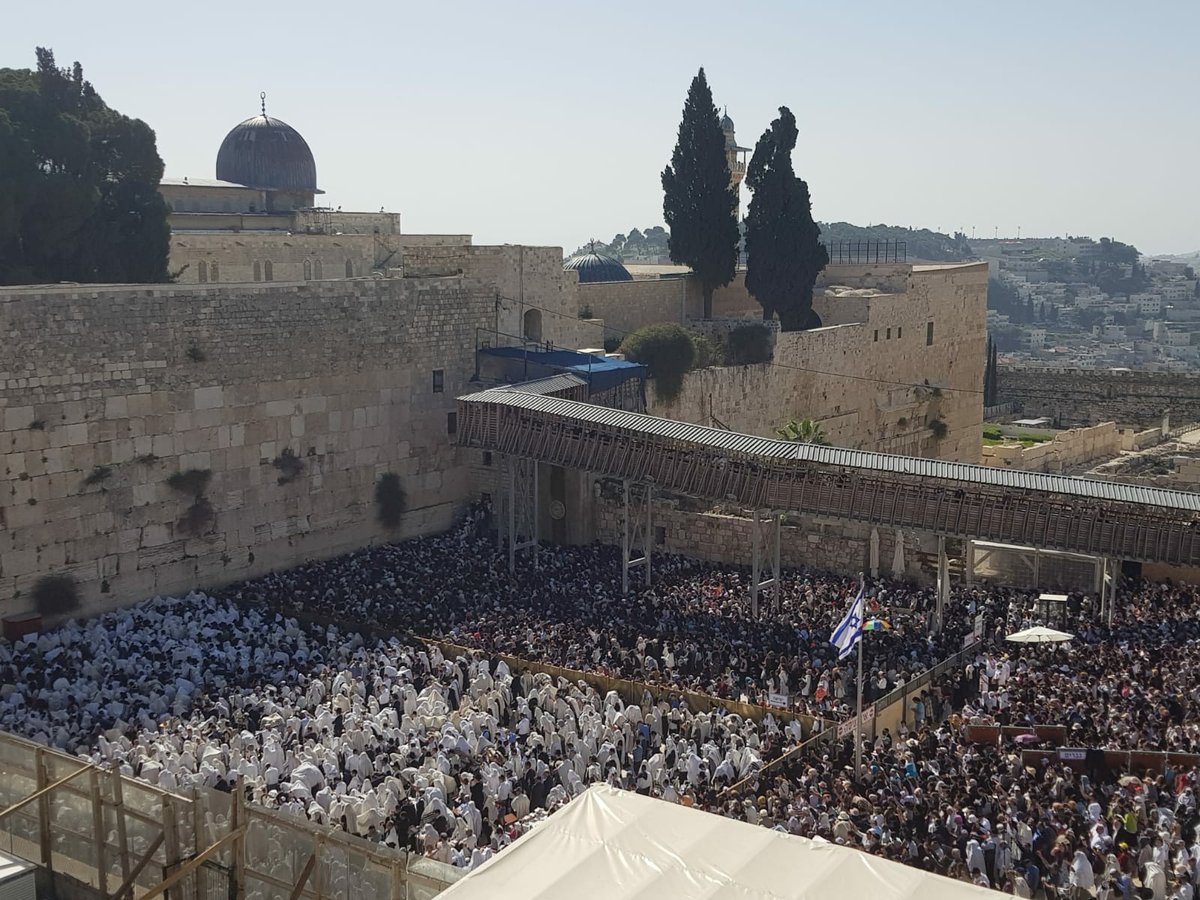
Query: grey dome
(597, 267)
(264, 152)
(726, 123)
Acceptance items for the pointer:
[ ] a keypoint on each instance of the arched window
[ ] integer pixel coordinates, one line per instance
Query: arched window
(532, 326)
(268, 271)
(308, 270)
(214, 271)
(349, 268)
(317, 268)
(202, 271)
(257, 270)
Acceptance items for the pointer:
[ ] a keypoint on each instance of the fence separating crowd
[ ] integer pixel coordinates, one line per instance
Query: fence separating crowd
(122, 837)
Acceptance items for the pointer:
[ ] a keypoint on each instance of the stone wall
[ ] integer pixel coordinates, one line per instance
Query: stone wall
(246, 257)
(864, 382)
(626, 306)
(106, 392)
(1089, 396)
(1067, 449)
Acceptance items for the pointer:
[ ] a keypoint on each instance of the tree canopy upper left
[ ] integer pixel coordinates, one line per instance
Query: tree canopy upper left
(79, 196)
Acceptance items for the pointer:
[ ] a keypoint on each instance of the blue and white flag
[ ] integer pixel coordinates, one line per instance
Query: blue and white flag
(847, 635)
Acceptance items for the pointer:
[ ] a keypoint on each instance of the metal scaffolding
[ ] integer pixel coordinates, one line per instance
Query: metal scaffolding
(519, 519)
(638, 513)
(765, 527)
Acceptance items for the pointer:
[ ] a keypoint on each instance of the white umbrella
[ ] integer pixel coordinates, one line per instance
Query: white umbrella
(1039, 635)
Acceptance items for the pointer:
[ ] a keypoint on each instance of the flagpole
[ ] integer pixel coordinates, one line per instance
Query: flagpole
(862, 636)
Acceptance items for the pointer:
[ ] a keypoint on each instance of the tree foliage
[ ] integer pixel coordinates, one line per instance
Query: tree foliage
(667, 351)
(749, 345)
(784, 253)
(699, 202)
(79, 182)
(806, 431)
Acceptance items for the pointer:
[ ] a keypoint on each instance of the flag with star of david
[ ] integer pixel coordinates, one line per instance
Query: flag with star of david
(847, 635)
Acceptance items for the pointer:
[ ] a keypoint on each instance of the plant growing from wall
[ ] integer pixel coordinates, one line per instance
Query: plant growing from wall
(193, 482)
(55, 595)
(195, 354)
(585, 312)
(389, 500)
(98, 475)
(748, 345)
(667, 351)
(806, 431)
(289, 465)
(938, 428)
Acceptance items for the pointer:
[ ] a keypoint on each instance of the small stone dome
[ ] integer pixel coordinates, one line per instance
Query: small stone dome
(268, 153)
(726, 123)
(593, 266)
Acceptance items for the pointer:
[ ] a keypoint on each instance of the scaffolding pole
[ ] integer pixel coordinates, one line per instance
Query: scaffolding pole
(765, 529)
(638, 531)
(522, 508)
(943, 585)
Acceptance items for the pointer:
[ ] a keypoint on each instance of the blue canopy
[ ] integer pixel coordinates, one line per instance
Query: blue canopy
(601, 374)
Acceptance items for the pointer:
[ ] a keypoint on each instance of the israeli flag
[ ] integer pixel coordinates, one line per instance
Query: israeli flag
(847, 635)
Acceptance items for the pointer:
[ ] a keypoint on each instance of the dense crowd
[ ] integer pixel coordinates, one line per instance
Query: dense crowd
(454, 756)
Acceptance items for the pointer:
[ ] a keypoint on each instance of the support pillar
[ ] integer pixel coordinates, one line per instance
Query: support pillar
(943, 585)
(1113, 577)
(638, 533)
(522, 508)
(765, 528)
(898, 556)
(874, 552)
(1037, 568)
(969, 562)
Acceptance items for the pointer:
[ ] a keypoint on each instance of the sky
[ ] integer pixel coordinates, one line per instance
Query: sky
(550, 123)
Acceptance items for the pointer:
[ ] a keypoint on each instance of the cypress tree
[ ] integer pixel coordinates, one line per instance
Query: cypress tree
(784, 254)
(699, 202)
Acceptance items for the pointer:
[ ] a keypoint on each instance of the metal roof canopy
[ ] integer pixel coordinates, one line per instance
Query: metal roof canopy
(1054, 512)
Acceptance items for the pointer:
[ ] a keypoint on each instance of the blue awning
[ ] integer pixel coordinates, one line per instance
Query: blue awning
(602, 374)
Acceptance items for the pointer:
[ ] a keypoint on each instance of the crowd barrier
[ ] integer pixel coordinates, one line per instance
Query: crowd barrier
(1135, 762)
(893, 708)
(1054, 735)
(123, 837)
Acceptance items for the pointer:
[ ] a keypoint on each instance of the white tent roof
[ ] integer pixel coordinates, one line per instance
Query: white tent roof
(609, 844)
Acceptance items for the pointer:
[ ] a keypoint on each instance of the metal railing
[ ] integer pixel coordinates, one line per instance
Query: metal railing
(861, 253)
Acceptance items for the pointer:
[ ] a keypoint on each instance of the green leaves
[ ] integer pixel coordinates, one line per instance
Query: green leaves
(784, 254)
(699, 202)
(79, 181)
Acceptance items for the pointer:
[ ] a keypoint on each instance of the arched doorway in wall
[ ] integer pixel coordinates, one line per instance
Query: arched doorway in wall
(308, 270)
(531, 325)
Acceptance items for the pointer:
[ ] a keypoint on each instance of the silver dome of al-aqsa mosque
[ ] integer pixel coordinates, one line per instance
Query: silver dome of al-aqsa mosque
(267, 153)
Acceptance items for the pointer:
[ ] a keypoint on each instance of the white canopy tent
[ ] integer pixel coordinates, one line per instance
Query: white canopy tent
(609, 844)
(1039, 634)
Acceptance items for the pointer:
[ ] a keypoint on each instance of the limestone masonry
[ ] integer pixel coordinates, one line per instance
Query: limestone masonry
(1091, 396)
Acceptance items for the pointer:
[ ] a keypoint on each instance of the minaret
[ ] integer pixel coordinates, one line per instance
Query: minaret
(734, 155)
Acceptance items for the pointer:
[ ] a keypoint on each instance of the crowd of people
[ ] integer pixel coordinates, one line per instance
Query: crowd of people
(455, 755)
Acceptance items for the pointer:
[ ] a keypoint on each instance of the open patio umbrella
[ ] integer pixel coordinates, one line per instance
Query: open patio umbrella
(1039, 635)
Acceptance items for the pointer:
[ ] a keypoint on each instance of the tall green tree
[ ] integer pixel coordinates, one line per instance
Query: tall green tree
(784, 253)
(699, 202)
(79, 182)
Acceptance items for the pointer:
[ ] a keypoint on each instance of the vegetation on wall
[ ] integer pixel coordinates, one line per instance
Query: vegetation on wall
(193, 482)
(708, 351)
(79, 196)
(667, 351)
(98, 475)
(991, 384)
(55, 595)
(389, 500)
(748, 345)
(784, 253)
(938, 428)
(290, 466)
(699, 203)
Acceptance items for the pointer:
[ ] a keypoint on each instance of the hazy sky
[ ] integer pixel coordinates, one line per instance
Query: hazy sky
(549, 123)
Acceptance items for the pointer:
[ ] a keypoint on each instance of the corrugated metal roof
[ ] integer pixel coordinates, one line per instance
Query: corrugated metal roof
(733, 442)
(551, 384)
